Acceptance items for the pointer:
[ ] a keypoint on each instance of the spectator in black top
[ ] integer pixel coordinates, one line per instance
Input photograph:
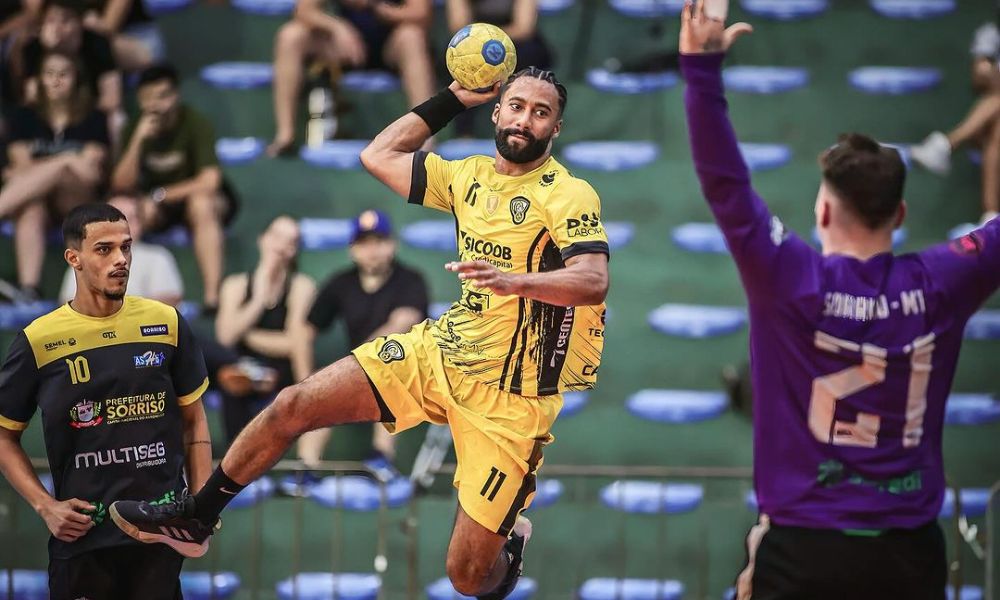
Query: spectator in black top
(376, 297)
(169, 154)
(62, 29)
(135, 38)
(262, 315)
(57, 153)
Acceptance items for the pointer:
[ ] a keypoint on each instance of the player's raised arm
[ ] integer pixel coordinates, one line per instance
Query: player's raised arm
(389, 157)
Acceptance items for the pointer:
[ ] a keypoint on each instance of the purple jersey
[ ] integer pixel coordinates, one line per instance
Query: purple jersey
(852, 361)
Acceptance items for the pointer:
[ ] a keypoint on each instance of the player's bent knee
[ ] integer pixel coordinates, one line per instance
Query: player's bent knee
(285, 413)
(466, 575)
(292, 36)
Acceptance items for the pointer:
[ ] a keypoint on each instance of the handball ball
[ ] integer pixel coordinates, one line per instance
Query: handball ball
(479, 56)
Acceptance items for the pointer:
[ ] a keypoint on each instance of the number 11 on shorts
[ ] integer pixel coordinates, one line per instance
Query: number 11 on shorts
(493, 483)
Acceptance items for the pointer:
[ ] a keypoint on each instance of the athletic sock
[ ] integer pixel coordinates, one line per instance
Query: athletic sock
(219, 491)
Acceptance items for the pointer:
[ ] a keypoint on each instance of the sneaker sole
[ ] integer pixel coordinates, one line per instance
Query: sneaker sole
(188, 549)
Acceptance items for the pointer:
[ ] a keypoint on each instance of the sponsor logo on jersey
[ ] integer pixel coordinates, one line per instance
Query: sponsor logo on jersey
(85, 414)
(585, 226)
(485, 247)
(151, 330)
(109, 335)
(391, 351)
(141, 407)
(519, 209)
(142, 455)
(565, 329)
(967, 244)
(149, 359)
(475, 301)
(548, 179)
(50, 346)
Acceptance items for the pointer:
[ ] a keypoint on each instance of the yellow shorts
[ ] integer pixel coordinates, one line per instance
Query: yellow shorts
(498, 435)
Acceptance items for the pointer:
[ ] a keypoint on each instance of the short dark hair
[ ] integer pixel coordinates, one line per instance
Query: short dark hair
(159, 72)
(73, 6)
(867, 176)
(74, 228)
(542, 74)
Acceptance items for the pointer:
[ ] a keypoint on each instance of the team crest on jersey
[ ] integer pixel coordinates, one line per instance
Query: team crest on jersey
(149, 359)
(492, 202)
(391, 350)
(548, 179)
(518, 209)
(85, 414)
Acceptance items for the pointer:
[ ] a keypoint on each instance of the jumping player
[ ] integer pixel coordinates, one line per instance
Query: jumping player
(528, 326)
(853, 351)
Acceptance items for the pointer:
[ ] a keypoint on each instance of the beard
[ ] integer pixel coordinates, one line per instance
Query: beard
(110, 295)
(534, 149)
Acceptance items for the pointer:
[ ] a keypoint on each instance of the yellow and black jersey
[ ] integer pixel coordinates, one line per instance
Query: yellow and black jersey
(525, 224)
(110, 391)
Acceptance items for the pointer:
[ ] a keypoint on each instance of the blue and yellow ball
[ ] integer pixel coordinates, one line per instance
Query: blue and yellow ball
(479, 55)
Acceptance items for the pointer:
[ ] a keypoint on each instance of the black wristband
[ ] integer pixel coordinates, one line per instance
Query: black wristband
(440, 110)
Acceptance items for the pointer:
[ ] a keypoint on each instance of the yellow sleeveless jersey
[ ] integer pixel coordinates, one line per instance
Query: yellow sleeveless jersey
(526, 224)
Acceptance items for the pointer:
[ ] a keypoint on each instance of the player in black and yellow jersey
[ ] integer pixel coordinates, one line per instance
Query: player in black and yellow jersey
(528, 326)
(118, 380)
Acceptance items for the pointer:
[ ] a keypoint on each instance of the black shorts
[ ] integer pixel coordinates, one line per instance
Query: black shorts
(796, 563)
(150, 572)
(175, 212)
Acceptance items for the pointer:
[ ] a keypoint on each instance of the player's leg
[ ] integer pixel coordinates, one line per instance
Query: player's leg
(149, 572)
(406, 50)
(29, 236)
(86, 575)
(475, 563)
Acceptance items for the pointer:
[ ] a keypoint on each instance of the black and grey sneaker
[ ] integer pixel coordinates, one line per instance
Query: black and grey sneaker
(519, 536)
(170, 523)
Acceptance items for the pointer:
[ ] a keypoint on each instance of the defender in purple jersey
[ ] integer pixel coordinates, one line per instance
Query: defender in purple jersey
(853, 352)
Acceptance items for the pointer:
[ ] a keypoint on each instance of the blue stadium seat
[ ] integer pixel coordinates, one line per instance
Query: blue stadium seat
(729, 594)
(785, 10)
(238, 75)
(764, 80)
(162, 7)
(971, 409)
(436, 309)
(899, 237)
(611, 156)
(651, 497)
(693, 321)
(212, 400)
(975, 156)
(370, 82)
(335, 154)
(53, 236)
(700, 237)
(677, 406)
(606, 588)
(619, 233)
(458, 149)
(573, 403)
(189, 310)
(14, 317)
(764, 157)
(327, 586)
(551, 7)
(631, 83)
(202, 585)
(974, 502)
(968, 592)
(359, 493)
(547, 493)
(894, 80)
(47, 483)
(913, 9)
(253, 494)
(648, 9)
(750, 499)
(962, 230)
(325, 234)
(28, 585)
(430, 234)
(270, 8)
(984, 325)
(237, 151)
(443, 590)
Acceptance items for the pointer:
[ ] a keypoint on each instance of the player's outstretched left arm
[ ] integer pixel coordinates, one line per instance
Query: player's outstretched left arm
(583, 281)
(389, 157)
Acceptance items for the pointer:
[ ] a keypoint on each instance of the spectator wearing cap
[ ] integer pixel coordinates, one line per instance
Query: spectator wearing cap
(261, 316)
(378, 296)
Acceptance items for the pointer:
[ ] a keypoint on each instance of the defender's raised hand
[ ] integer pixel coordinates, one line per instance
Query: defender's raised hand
(701, 34)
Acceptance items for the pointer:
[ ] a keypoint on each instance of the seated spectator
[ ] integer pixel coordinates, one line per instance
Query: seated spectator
(153, 273)
(169, 154)
(370, 35)
(981, 126)
(377, 296)
(62, 29)
(57, 152)
(262, 316)
(135, 38)
(519, 19)
(17, 19)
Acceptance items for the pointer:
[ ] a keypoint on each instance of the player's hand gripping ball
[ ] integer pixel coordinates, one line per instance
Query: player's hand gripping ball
(479, 55)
